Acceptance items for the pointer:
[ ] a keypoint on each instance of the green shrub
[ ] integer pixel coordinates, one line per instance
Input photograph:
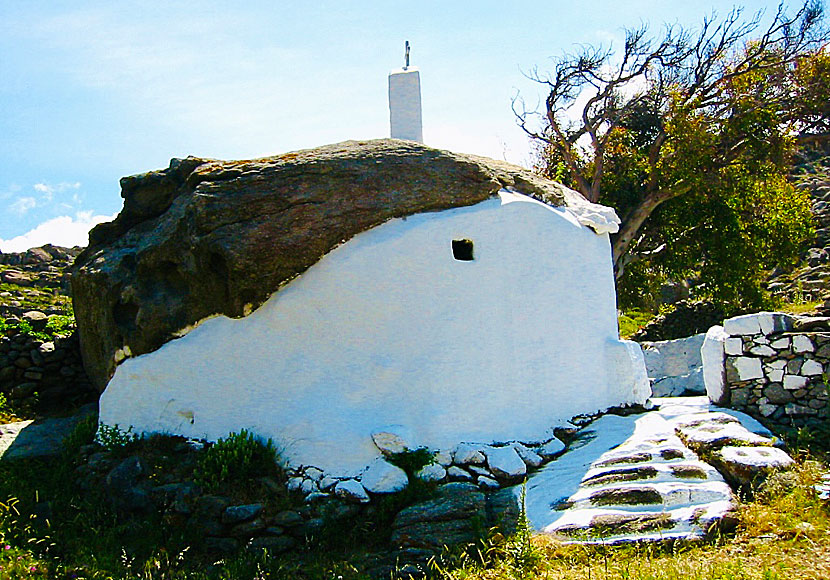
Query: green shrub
(113, 438)
(237, 457)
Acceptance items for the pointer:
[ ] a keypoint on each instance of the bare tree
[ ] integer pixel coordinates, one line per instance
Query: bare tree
(594, 91)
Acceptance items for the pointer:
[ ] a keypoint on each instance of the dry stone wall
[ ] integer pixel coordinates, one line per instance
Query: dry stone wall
(775, 367)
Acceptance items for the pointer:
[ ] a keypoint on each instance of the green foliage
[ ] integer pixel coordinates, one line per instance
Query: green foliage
(57, 326)
(115, 439)
(412, 461)
(633, 320)
(234, 459)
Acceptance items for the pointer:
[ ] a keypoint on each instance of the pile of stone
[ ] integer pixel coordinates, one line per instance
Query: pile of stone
(488, 467)
(43, 374)
(811, 281)
(39, 276)
(776, 367)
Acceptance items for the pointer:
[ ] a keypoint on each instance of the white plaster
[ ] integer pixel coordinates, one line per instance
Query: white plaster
(748, 368)
(802, 343)
(390, 329)
(405, 104)
(673, 358)
(712, 357)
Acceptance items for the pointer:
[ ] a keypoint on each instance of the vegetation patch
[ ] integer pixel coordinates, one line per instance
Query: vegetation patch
(618, 475)
(633, 458)
(627, 496)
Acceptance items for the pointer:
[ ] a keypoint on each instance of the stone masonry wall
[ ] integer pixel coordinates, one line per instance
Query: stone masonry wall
(776, 367)
(39, 374)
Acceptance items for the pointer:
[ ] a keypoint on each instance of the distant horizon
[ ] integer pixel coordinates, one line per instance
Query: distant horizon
(95, 91)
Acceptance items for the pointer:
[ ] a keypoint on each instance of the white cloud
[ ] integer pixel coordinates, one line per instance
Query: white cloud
(60, 231)
(49, 190)
(23, 205)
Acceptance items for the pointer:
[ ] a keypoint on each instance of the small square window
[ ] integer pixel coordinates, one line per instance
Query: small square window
(462, 250)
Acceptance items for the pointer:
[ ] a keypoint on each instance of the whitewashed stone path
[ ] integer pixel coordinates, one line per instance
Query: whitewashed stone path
(633, 478)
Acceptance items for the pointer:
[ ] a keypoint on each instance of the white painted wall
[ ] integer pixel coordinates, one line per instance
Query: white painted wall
(390, 329)
(405, 104)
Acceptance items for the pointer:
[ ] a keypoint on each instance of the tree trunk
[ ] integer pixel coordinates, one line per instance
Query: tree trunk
(635, 221)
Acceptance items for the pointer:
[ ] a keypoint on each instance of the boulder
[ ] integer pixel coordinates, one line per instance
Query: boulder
(206, 237)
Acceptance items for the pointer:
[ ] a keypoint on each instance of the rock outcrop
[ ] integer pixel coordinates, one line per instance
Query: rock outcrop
(206, 237)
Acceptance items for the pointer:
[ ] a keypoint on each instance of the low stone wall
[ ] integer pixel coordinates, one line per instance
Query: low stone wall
(770, 365)
(34, 373)
(675, 367)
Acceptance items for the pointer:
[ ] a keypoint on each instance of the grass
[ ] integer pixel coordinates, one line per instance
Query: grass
(632, 321)
(49, 529)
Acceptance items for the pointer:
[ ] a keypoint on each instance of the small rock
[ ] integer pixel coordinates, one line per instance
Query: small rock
(432, 472)
(811, 368)
(443, 457)
(351, 490)
(241, 513)
(802, 343)
(531, 458)
(505, 463)
(742, 465)
(551, 449)
(455, 473)
(383, 477)
(467, 454)
(488, 484)
(288, 519)
(391, 441)
(794, 382)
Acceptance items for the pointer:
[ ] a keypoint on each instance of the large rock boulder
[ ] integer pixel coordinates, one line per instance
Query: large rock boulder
(206, 237)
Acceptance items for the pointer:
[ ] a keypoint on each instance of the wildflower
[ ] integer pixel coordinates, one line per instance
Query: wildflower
(7, 547)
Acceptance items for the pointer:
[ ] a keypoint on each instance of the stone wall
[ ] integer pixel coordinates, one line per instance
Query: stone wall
(772, 366)
(38, 374)
(674, 366)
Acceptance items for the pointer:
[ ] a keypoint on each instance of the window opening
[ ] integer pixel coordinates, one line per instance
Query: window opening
(462, 250)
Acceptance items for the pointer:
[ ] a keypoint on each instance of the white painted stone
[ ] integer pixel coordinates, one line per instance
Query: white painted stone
(742, 325)
(712, 357)
(389, 329)
(673, 358)
(733, 346)
(487, 483)
(781, 343)
(762, 340)
(468, 454)
(811, 368)
(794, 382)
(777, 364)
(308, 486)
(479, 470)
(505, 463)
(456, 473)
(405, 104)
(748, 368)
(432, 472)
(327, 483)
(314, 473)
(802, 343)
(443, 457)
(758, 323)
(757, 457)
(351, 490)
(294, 483)
(762, 350)
(775, 375)
(552, 448)
(392, 439)
(383, 477)
(530, 457)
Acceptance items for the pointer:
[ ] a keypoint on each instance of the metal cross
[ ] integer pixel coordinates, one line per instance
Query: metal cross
(406, 66)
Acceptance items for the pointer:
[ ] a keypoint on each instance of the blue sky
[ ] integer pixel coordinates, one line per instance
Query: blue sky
(93, 91)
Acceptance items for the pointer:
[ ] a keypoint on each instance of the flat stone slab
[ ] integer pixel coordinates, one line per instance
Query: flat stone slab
(42, 438)
(633, 478)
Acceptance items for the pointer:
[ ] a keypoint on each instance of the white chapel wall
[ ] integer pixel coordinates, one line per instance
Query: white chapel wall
(390, 329)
